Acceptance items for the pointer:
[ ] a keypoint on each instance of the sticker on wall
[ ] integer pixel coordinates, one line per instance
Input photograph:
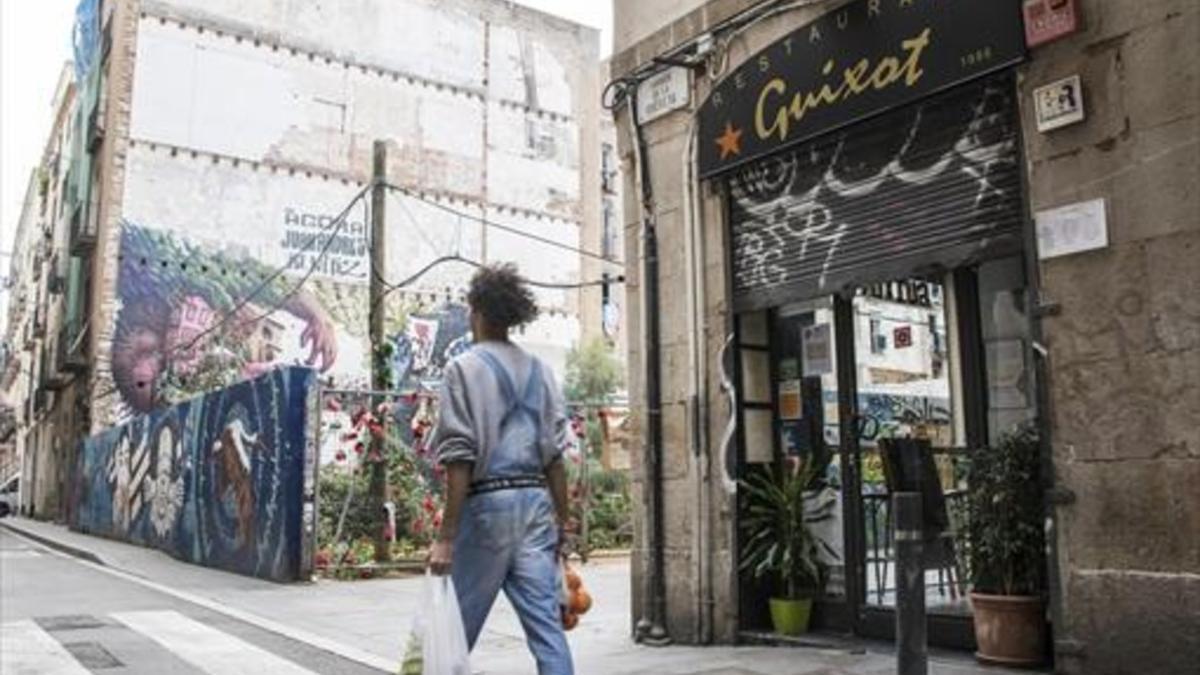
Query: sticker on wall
(1073, 228)
(817, 350)
(791, 400)
(902, 337)
(1048, 20)
(1059, 104)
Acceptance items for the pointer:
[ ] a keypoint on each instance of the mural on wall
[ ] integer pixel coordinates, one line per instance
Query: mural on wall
(428, 341)
(170, 342)
(217, 480)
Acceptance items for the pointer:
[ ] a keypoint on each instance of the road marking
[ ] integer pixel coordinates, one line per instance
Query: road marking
(334, 647)
(19, 554)
(26, 649)
(206, 648)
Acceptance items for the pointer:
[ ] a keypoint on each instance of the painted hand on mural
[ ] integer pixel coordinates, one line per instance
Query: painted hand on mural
(174, 335)
(319, 336)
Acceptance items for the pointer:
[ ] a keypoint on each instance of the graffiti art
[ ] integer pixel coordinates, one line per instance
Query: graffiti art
(428, 343)
(192, 319)
(217, 480)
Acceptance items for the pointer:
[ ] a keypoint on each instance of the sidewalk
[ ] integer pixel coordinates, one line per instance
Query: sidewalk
(373, 616)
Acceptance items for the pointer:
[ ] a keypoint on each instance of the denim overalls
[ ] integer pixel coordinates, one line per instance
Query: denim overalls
(508, 538)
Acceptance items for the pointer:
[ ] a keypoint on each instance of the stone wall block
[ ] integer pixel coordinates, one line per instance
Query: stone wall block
(677, 460)
(1159, 75)
(1131, 622)
(1104, 19)
(1104, 315)
(1141, 407)
(1133, 515)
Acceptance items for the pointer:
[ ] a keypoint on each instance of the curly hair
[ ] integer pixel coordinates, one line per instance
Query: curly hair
(499, 294)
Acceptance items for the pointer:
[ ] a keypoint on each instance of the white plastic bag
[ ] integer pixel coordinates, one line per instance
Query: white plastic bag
(438, 644)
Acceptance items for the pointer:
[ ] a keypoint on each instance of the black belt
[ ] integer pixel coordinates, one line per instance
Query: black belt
(506, 483)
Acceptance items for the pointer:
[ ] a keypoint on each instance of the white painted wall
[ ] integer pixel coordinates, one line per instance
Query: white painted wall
(211, 93)
(424, 37)
(493, 130)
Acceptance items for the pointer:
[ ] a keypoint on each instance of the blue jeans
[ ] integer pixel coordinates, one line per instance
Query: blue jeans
(507, 540)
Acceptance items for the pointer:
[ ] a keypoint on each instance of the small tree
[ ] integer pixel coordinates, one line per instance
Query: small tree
(593, 373)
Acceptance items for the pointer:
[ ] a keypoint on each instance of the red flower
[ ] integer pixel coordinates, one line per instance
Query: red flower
(351, 436)
(359, 448)
(418, 525)
(437, 521)
(428, 504)
(340, 456)
(376, 429)
(333, 405)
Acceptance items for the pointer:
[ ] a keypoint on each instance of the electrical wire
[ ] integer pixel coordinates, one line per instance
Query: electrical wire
(502, 227)
(241, 304)
(413, 278)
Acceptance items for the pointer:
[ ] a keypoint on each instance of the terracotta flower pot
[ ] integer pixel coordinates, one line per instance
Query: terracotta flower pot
(1010, 629)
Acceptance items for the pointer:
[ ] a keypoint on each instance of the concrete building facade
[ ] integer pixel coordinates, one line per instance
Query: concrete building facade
(43, 279)
(1089, 334)
(222, 141)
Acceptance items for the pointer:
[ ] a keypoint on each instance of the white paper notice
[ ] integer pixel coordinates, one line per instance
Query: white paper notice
(1072, 229)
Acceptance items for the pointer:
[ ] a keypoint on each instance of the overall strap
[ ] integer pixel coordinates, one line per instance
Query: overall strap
(507, 388)
(532, 400)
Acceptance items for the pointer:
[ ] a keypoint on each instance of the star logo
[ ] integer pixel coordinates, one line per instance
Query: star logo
(730, 142)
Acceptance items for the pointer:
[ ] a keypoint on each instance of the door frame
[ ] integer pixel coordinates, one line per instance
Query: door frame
(870, 620)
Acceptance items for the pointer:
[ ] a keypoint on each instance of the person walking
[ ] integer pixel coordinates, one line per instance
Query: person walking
(499, 437)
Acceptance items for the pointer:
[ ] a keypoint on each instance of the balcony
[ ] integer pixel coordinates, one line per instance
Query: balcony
(83, 236)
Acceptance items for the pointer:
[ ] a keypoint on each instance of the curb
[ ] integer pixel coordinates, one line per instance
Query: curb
(75, 551)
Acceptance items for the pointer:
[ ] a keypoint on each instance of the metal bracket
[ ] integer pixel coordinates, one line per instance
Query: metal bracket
(1043, 307)
(1060, 496)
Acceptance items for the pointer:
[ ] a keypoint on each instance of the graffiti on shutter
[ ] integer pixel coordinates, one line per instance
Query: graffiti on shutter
(929, 183)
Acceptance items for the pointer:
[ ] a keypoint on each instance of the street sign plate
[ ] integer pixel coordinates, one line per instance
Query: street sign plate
(664, 93)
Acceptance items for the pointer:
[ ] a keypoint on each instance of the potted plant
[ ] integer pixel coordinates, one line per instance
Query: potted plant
(780, 545)
(1006, 550)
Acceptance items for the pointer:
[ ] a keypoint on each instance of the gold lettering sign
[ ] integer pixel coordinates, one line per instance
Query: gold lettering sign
(854, 61)
(775, 113)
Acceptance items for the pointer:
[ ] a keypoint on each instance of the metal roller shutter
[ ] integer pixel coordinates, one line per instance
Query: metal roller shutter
(930, 186)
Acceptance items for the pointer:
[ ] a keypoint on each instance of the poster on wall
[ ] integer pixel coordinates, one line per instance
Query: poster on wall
(817, 350)
(791, 400)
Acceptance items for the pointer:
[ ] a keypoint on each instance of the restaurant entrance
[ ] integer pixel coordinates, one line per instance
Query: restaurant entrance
(880, 283)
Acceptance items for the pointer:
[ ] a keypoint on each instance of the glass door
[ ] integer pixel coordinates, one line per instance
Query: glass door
(805, 381)
(910, 413)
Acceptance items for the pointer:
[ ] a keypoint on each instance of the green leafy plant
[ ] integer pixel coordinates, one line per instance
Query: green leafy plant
(593, 373)
(1005, 536)
(775, 527)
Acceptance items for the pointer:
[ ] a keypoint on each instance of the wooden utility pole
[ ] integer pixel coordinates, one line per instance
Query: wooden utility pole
(378, 247)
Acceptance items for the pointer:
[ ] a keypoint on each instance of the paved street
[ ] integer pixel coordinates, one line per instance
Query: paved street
(151, 614)
(62, 616)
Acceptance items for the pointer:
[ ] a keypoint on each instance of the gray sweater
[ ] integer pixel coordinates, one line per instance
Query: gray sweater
(471, 406)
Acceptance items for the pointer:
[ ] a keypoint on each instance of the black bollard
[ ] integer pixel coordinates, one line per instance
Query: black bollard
(912, 650)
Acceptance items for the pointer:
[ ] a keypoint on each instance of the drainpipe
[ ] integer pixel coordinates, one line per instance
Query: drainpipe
(698, 398)
(651, 628)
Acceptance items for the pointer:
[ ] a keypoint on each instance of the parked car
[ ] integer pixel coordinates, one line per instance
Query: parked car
(10, 495)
